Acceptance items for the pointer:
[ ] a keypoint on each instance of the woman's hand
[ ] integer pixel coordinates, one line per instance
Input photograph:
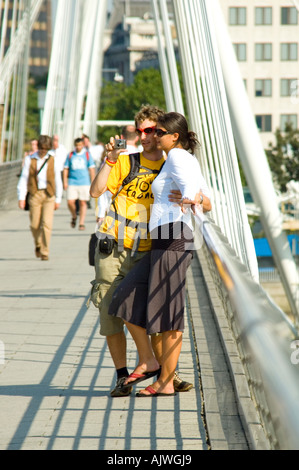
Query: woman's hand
(175, 196)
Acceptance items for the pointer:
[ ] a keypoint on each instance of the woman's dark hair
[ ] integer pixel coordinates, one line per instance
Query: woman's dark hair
(176, 122)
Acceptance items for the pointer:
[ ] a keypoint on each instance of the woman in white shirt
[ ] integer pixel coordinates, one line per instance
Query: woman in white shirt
(160, 275)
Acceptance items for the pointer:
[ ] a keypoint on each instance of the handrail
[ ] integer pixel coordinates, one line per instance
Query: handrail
(264, 336)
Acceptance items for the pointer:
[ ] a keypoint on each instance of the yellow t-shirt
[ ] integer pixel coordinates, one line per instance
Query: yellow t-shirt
(133, 203)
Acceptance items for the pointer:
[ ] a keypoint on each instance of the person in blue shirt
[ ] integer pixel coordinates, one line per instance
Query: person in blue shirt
(78, 172)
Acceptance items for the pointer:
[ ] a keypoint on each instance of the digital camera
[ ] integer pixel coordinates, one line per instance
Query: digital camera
(120, 144)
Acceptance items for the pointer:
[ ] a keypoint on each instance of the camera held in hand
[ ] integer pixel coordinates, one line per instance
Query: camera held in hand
(120, 143)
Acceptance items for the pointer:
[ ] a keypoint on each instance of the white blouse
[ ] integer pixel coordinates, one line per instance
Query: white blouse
(180, 171)
(41, 177)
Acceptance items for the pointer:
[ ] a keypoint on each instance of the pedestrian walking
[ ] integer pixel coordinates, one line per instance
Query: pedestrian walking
(79, 171)
(41, 179)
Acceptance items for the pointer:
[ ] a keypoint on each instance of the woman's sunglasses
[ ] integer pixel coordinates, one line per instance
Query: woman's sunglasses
(147, 130)
(161, 133)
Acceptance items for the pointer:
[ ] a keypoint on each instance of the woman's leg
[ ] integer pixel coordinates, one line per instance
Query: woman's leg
(171, 349)
(147, 361)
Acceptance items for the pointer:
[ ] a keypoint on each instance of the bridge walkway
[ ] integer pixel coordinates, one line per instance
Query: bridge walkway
(56, 372)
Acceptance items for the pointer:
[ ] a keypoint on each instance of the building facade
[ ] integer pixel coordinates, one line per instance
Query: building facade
(265, 36)
(41, 36)
(41, 40)
(131, 41)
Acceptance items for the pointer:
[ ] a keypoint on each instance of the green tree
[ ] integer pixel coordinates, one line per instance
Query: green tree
(283, 157)
(32, 129)
(122, 102)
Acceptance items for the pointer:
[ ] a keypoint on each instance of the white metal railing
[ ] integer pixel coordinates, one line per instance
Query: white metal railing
(264, 336)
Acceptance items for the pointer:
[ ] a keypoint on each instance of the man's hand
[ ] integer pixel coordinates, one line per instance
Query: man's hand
(57, 205)
(175, 196)
(112, 153)
(22, 205)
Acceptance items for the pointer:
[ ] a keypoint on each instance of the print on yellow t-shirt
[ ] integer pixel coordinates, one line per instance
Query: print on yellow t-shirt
(133, 204)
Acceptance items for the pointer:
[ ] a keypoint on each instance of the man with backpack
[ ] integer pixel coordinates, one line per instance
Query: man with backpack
(78, 172)
(123, 236)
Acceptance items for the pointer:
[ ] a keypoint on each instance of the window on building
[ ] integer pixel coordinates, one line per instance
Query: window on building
(263, 51)
(289, 51)
(263, 15)
(289, 87)
(241, 52)
(237, 16)
(264, 122)
(263, 87)
(288, 119)
(289, 15)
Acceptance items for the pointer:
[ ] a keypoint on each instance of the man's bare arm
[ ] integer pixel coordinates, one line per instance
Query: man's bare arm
(99, 184)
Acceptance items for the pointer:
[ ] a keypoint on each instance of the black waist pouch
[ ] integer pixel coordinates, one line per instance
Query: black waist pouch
(106, 245)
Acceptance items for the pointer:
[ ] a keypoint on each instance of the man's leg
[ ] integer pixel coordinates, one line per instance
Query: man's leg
(72, 208)
(108, 274)
(117, 345)
(82, 213)
(35, 221)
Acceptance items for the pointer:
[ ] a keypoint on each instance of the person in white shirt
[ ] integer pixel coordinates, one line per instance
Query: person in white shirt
(160, 275)
(60, 152)
(41, 178)
(96, 151)
(129, 133)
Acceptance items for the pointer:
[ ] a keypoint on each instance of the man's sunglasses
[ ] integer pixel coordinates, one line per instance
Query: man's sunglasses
(161, 133)
(147, 130)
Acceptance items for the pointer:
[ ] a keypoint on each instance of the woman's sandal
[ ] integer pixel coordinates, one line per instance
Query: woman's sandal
(81, 227)
(154, 393)
(73, 222)
(140, 377)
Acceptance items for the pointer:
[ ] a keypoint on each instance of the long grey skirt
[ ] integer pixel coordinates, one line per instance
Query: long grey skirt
(152, 295)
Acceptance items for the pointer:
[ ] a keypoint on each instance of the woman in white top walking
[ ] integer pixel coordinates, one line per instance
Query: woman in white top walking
(160, 276)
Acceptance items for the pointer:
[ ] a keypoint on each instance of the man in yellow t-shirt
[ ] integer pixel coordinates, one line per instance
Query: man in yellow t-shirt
(126, 226)
(130, 211)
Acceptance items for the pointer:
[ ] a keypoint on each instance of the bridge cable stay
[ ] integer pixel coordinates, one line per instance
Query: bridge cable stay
(167, 85)
(260, 328)
(209, 109)
(14, 67)
(254, 160)
(72, 96)
(209, 117)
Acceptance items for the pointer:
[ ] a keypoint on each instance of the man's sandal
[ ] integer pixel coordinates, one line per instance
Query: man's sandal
(73, 222)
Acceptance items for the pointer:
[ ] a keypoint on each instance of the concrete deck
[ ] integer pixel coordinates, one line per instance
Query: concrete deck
(56, 371)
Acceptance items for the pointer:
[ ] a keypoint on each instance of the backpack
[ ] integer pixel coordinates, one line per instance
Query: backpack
(86, 153)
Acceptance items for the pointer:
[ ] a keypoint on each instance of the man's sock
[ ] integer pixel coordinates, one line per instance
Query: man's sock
(123, 372)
